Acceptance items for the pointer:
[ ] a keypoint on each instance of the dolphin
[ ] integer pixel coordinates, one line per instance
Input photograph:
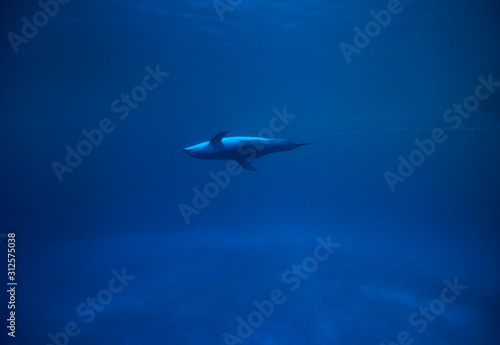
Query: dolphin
(241, 149)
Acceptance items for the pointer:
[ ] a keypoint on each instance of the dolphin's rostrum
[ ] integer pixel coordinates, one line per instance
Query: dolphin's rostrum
(241, 149)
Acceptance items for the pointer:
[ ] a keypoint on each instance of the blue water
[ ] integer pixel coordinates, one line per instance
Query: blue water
(385, 230)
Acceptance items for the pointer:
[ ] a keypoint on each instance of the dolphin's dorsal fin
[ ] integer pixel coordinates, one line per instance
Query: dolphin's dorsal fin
(218, 137)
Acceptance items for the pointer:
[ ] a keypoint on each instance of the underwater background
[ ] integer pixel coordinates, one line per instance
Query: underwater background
(385, 230)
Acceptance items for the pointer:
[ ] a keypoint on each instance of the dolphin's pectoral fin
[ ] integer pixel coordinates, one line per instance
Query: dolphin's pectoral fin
(247, 164)
(218, 137)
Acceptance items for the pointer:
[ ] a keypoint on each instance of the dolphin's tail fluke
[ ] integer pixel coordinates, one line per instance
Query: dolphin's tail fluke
(303, 144)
